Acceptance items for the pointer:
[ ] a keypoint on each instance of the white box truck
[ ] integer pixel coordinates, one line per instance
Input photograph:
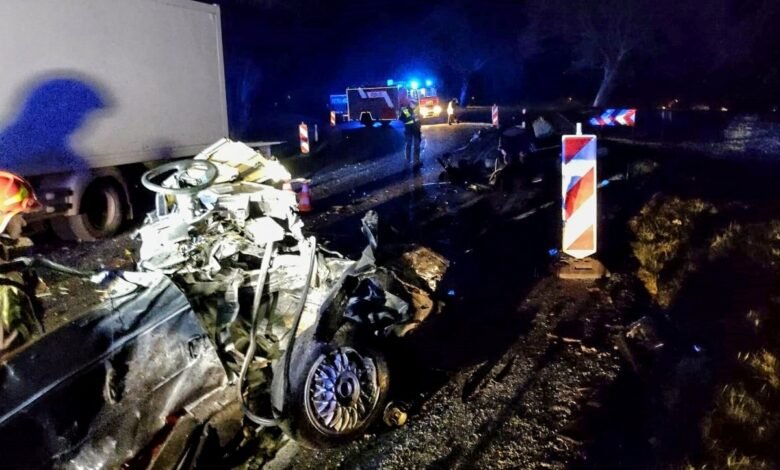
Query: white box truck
(92, 89)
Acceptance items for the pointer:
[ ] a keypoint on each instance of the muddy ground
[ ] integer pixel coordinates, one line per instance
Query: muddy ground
(521, 369)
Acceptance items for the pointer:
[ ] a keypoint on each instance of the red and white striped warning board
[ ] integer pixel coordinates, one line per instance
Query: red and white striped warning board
(614, 117)
(303, 133)
(578, 168)
(333, 118)
(494, 115)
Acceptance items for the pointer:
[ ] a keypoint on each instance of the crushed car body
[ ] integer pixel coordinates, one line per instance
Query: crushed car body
(94, 392)
(233, 306)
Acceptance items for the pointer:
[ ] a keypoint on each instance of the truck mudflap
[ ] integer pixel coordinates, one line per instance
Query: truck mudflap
(93, 393)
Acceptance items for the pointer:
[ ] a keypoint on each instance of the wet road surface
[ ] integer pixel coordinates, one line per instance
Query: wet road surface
(506, 374)
(519, 371)
(516, 361)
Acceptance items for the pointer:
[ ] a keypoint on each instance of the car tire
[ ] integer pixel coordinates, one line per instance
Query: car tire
(102, 213)
(337, 390)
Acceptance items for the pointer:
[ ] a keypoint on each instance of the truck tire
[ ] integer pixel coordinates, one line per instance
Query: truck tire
(102, 213)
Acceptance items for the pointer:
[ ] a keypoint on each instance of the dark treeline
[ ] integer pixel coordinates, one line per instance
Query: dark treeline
(290, 54)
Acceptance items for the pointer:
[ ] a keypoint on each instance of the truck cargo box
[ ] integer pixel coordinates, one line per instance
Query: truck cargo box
(93, 84)
(380, 103)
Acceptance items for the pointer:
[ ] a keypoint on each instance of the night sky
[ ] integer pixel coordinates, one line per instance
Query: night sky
(715, 52)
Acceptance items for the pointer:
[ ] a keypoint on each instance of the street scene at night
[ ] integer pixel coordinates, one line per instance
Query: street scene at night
(282, 234)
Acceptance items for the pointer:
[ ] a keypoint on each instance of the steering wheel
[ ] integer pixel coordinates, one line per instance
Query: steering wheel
(180, 169)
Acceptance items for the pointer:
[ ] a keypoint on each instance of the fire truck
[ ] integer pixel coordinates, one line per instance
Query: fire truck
(383, 103)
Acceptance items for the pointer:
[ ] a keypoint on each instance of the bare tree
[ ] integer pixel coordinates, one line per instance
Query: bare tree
(686, 39)
(721, 34)
(601, 34)
(609, 32)
(455, 43)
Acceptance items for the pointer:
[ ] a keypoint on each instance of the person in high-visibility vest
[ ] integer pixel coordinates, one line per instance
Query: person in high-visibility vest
(451, 111)
(18, 322)
(410, 116)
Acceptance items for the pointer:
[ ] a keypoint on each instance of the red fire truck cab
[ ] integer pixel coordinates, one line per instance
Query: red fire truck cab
(383, 104)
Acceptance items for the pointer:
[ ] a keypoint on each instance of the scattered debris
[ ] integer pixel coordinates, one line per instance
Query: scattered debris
(228, 273)
(427, 264)
(233, 241)
(395, 414)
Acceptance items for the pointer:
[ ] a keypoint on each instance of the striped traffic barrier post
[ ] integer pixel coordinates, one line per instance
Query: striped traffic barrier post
(578, 168)
(303, 133)
(494, 115)
(333, 119)
(580, 207)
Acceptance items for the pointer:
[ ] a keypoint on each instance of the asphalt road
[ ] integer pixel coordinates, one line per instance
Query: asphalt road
(515, 368)
(369, 170)
(519, 370)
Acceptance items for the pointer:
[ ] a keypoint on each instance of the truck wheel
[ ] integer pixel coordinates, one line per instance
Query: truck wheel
(338, 391)
(102, 212)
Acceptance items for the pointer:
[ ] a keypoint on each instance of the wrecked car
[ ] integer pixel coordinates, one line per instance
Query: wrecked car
(232, 307)
(493, 157)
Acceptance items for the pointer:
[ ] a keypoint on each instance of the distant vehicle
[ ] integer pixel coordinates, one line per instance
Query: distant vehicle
(382, 104)
(98, 90)
(374, 104)
(427, 98)
(338, 104)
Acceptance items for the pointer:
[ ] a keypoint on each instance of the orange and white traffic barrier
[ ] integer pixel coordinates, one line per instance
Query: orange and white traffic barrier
(494, 115)
(304, 198)
(333, 119)
(303, 133)
(578, 168)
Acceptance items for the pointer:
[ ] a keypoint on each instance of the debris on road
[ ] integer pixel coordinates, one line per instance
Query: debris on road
(224, 253)
(427, 264)
(234, 243)
(395, 414)
(491, 153)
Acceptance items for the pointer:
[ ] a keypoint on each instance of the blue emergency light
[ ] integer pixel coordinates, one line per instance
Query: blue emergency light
(415, 84)
(429, 82)
(390, 82)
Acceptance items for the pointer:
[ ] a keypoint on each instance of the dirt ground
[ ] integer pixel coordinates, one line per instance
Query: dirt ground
(523, 370)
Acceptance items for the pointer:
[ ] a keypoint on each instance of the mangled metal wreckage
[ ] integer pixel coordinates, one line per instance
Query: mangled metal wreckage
(233, 306)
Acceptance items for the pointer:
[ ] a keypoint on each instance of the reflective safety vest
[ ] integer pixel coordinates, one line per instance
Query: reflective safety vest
(407, 116)
(18, 323)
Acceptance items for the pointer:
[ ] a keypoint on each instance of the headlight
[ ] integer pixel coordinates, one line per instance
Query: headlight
(437, 109)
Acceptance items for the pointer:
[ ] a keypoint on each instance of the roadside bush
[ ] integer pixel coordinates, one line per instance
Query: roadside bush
(664, 231)
(717, 272)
